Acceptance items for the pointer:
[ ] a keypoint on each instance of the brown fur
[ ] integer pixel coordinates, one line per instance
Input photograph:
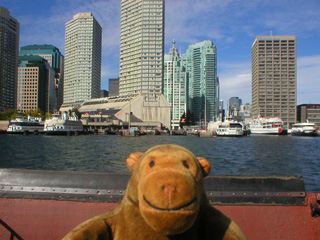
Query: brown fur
(165, 199)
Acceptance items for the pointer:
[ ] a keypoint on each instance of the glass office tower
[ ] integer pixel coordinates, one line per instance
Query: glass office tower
(200, 62)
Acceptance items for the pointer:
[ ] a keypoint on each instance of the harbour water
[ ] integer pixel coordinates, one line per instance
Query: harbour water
(252, 155)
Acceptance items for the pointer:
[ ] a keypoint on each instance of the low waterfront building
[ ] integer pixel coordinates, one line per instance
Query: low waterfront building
(126, 111)
(308, 112)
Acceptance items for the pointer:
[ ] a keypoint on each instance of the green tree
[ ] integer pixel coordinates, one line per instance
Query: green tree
(36, 113)
(47, 115)
(76, 111)
(8, 114)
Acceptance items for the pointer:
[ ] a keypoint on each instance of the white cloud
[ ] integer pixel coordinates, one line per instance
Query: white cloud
(308, 82)
(235, 80)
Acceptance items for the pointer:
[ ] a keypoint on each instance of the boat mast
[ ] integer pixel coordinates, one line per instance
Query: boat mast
(205, 110)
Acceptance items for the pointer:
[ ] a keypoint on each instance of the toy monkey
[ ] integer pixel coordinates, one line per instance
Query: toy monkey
(164, 199)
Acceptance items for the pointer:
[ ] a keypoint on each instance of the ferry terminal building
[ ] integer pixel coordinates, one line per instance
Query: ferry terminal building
(123, 112)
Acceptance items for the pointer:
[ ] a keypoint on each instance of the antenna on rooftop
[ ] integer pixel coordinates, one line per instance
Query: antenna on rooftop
(270, 33)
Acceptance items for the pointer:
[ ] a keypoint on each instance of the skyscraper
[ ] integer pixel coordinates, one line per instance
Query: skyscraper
(36, 87)
(141, 47)
(234, 105)
(82, 76)
(9, 51)
(113, 87)
(175, 85)
(200, 62)
(49, 52)
(274, 78)
(56, 61)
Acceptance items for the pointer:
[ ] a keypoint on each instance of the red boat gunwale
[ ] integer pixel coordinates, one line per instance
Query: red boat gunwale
(47, 205)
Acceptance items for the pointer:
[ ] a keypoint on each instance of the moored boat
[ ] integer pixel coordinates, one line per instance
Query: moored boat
(304, 129)
(266, 126)
(21, 125)
(228, 128)
(62, 125)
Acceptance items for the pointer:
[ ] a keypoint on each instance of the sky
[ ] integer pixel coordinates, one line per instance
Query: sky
(231, 24)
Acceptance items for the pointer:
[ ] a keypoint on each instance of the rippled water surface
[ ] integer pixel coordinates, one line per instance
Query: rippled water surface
(253, 155)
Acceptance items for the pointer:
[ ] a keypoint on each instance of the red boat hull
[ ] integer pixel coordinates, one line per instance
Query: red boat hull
(53, 219)
(47, 205)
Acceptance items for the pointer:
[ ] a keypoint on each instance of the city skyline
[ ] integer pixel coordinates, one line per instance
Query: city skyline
(231, 25)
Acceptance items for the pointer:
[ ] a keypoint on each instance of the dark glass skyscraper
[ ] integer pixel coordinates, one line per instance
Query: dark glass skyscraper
(9, 51)
(200, 62)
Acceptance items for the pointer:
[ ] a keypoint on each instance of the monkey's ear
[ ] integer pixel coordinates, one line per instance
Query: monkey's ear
(205, 166)
(133, 159)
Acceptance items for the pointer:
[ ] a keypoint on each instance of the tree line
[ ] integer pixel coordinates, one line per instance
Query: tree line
(10, 114)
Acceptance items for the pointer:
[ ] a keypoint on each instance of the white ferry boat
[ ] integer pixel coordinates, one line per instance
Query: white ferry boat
(226, 129)
(265, 125)
(63, 125)
(304, 129)
(21, 125)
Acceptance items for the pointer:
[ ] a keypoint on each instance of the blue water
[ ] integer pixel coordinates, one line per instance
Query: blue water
(253, 155)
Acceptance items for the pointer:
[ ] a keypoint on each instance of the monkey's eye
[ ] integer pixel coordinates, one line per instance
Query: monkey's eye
(151, 163)
(185, 164)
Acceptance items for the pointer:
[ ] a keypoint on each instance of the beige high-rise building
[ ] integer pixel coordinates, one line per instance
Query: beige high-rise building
(141, 47)
(82, 71)
(36, 89)
(274, 78)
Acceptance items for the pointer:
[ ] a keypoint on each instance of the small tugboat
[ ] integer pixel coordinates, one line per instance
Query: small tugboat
(304, 129)
(63, 125)
(265, 125)
(21, 125)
